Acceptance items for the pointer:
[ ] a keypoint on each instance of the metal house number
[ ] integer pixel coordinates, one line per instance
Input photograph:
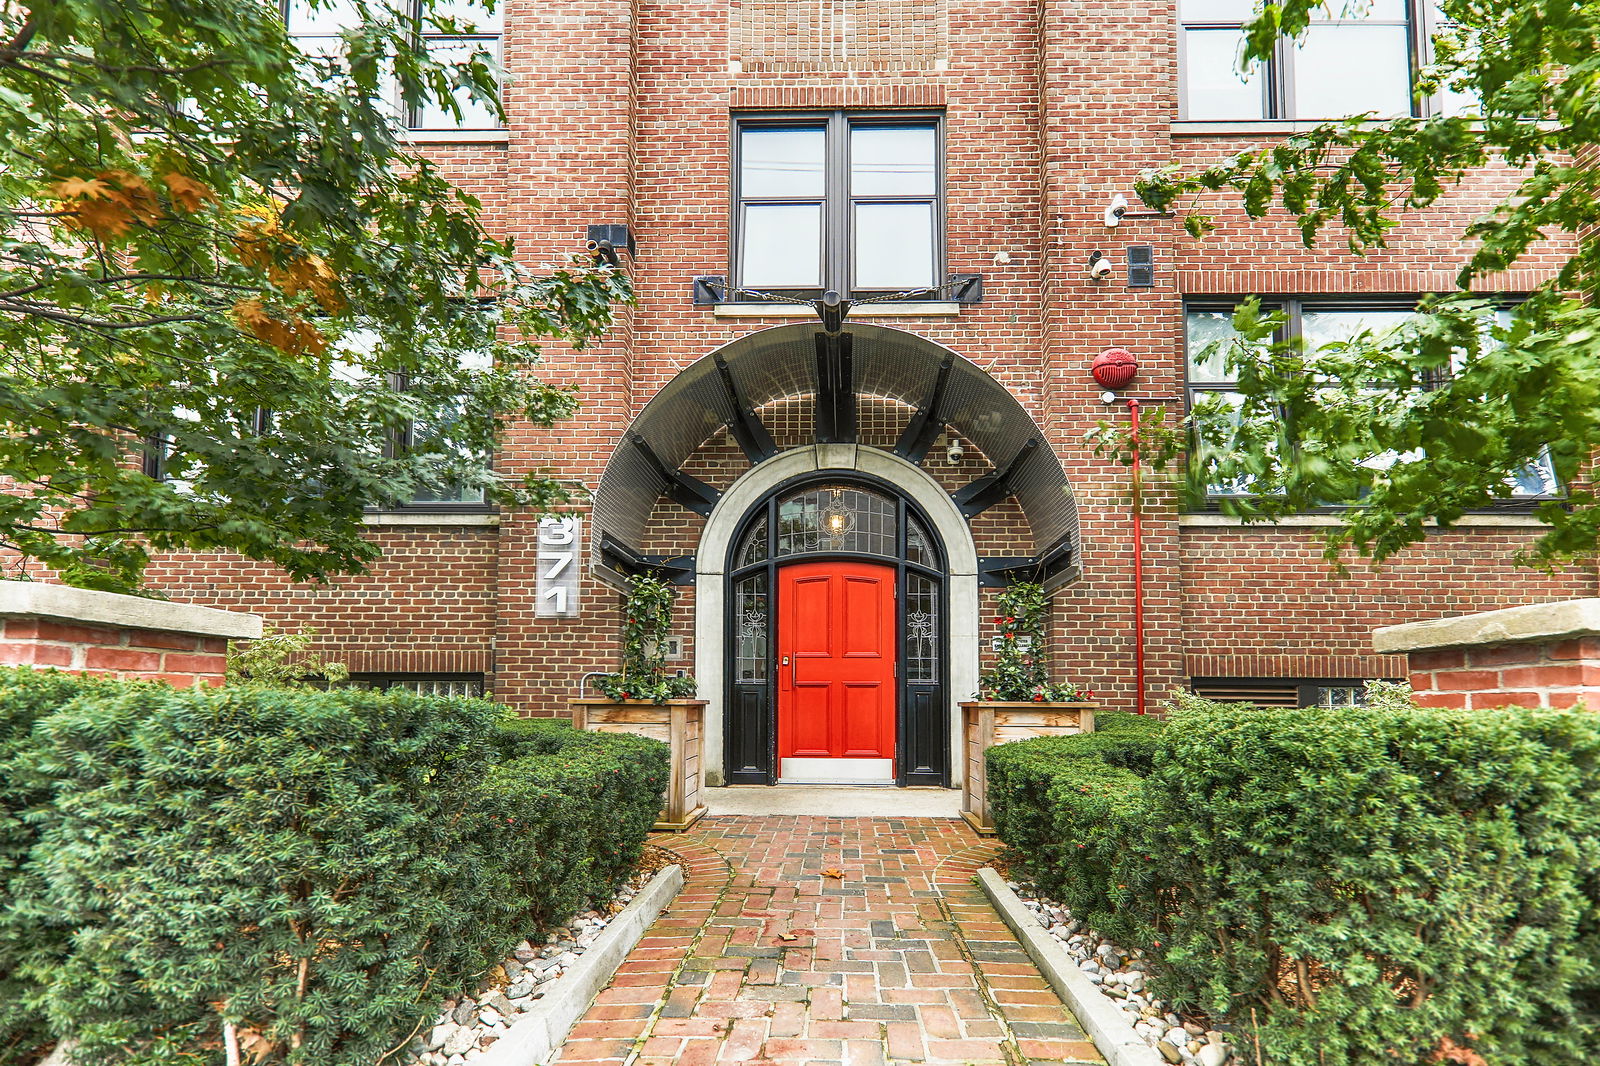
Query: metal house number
(556, 563)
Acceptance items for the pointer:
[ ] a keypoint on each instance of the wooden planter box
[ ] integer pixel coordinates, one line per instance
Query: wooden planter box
(678, 723)
(985, 724)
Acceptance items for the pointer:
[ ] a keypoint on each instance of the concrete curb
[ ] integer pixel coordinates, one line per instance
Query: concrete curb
(540, 1031)
(1105, 1023)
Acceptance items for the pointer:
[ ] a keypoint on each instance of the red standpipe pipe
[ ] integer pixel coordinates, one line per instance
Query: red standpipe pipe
(1138, 565)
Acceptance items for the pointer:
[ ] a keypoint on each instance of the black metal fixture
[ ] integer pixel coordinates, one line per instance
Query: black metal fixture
(676, 569)
(1141, 266)
(927, 422)
(687, 491)
(605, 241)
(1000, 571)
(990, 489)
(708, 290)
(836, 397)
(746, 426)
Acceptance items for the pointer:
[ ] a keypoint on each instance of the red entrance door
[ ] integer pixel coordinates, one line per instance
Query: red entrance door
(836, 687)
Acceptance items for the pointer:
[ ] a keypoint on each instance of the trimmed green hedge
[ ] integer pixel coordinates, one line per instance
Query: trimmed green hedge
(1380, 885)
(313, 868)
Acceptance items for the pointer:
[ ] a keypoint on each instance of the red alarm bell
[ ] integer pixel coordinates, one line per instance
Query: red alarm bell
(1114, 368)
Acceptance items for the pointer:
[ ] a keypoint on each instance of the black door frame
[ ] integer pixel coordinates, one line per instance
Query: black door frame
(922, 711)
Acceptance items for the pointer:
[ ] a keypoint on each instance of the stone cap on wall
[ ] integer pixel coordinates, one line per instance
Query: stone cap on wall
(86, 606)
(1535, 622)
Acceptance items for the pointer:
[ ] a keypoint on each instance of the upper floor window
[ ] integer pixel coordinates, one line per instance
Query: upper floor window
(1209, 328)
(318, 31)
(1357, 57)
(851, 202)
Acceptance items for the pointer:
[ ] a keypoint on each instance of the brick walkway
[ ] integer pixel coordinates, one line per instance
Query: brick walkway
(763, 958)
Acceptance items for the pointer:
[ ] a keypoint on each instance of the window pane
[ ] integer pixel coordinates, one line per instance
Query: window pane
(782, 245)
(781, 163)
(1538, 478)
(1217, 10)
(332, 18)
(1361, 11)
(1206, 328)
(894, 246)
(1324, 327)
(750, 643)
(1214, 86)
(469, 13)
(922, 629)
(892, 162)
(1350, 70)
(475, 115)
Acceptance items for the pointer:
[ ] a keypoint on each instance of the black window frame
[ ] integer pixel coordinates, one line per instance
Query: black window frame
(1294, 308)
(383, 681)
(411, 116)
(1278, 105)
(838, 240)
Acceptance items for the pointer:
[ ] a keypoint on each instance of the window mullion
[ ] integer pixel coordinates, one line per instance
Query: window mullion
(837, 189)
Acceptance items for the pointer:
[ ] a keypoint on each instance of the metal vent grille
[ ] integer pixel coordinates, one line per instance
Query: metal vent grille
(1273, 692)
(1141, 266)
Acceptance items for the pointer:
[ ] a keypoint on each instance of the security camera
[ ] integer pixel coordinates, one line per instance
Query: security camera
(955, 453)
(1118, 208)
(1099, 265)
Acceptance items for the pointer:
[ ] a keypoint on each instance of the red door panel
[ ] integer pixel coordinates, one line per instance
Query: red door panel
(836, 646)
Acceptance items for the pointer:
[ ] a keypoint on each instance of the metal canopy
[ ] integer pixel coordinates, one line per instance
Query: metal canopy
(781, 363)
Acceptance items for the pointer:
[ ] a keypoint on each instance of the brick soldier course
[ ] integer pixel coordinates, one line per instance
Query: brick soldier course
(764, 957)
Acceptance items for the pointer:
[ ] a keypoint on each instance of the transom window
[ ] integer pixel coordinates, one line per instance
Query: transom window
(1358, 56)
(838, 201)
(318, 32)
(1209, 328)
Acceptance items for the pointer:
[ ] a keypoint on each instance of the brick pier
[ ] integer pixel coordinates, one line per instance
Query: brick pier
(764, 957)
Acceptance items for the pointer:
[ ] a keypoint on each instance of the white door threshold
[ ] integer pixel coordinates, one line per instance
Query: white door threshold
(833, 801)
(836, 771)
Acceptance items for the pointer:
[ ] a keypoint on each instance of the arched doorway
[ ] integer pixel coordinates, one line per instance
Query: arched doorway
(836, 638)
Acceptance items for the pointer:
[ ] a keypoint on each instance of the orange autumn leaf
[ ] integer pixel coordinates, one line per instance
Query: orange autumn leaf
(80, 189)
(103, 218)
(188, 194)
(135, 194)
(294, 335)
(832, 872)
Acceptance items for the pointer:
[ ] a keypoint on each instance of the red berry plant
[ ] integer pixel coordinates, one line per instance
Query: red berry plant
(1021, 670)
(647, 619)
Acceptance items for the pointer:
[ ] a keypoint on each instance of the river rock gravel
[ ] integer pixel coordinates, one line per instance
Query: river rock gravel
(1120, 975)
(470, 1021)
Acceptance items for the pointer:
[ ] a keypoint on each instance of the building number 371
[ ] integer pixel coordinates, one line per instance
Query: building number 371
(557, 565)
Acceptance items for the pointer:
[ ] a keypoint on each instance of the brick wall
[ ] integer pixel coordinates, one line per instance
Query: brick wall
(620, 110)
(1539, 655)
(106, 635)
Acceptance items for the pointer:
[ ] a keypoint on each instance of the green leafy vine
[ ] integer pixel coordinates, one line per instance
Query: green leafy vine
(647, 618)
(1021, 671)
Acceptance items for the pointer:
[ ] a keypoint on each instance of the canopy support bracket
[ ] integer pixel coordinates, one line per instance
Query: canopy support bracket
(927, 423)
(836, 398)
(984, 493)
(746, 425)
(687, 491)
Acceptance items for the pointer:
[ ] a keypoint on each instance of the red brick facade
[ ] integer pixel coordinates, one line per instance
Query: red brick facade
(619, 111)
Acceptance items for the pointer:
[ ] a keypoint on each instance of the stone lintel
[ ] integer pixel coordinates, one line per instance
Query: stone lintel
(63, 603)
(1560, 620)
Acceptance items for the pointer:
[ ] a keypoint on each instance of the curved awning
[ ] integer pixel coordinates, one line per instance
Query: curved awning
(727, 387)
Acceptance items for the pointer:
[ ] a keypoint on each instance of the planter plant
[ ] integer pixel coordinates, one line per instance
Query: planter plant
(1017, 700)
(1021, 672)
(644, 675)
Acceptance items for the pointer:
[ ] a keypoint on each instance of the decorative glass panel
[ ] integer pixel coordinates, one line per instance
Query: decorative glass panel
(892, 162)
(836, 518)
(754, 548)
(894, 246)
(919, 546)
(922, 632)
(750, 633)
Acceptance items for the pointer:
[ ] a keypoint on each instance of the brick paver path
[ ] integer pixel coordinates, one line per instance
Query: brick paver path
(763, 958)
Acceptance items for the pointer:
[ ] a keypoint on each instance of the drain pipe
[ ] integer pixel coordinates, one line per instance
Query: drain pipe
(1138, 558)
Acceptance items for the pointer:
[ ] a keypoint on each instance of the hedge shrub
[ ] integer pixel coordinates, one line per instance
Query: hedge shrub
(25, 697)
(313, 868)
(1380, 885)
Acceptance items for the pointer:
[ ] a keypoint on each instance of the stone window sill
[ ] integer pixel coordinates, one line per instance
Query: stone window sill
(923, 309)
(1222, 521)
(479, 519)
(457, 136)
